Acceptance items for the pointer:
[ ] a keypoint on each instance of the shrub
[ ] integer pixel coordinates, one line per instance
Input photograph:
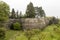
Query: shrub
(2, 34)
(53, 20)
(16, 26)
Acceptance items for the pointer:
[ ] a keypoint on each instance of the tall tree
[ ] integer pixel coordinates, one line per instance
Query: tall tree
(17, 14)
(13, 13)
(41, 11)
(30, 12)
(20, 14)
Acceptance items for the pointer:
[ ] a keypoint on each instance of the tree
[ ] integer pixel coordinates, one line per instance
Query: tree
(20, 14)
(41, 11)
(53, 20)
(17, 14)
(13, 13)
(4, 15)
(4, 12)
(30, 12)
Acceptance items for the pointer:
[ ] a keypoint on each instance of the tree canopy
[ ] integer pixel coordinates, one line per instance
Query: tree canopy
(4, 11)
(41, 11)
(4, 14)
(13, 13)
(30, 12)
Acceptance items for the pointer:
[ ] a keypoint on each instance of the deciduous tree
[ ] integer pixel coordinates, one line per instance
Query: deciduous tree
(4, 11)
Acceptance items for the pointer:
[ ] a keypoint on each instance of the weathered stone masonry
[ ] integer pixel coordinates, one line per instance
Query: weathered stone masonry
(30, 23)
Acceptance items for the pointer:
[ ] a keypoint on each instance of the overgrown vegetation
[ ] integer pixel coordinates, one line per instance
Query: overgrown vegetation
(16, 26)
(53, 20)
(4, 13)
(51, 32)
(2, 34)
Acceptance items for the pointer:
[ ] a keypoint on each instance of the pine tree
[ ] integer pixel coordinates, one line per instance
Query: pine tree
(41, 11)
(30, 12)
(20, 14)
(13, 13)
(17, 14)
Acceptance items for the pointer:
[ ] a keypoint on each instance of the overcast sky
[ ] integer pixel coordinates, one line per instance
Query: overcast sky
(51, 7)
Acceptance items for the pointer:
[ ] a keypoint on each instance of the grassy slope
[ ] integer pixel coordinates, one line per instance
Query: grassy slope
(51, 32)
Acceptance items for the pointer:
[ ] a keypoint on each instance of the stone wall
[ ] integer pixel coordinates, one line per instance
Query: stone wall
(30, 23)
(34, 23)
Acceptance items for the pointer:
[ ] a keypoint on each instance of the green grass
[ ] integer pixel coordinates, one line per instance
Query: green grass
(21, 37)
(52, 32)
(10, 34)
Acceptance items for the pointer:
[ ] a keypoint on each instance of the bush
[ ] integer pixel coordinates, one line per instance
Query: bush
(16, 26)
(53, 20)
(2, 34)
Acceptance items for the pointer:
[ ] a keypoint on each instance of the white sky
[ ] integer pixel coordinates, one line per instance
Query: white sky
(51, 7)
